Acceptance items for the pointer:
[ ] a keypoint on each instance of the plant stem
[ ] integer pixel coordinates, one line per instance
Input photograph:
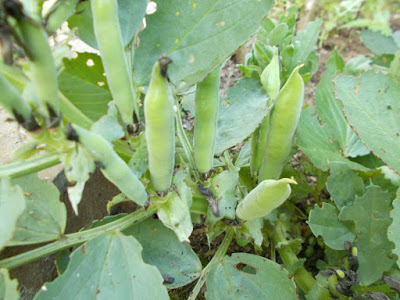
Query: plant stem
(219, 255)
(199, 206)
(303, 279)
(184, 140)
(29, 166)
(76, 238)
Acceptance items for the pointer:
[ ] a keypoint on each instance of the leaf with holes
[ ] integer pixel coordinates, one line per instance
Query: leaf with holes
(45, 216)
(8, 287)
(249, 276)
(84, 84)
(196, 35)
(370, 214)
(324, 222)
(109, 266)
(372, 108)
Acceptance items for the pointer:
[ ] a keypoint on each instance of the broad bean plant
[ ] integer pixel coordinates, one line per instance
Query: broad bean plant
(306, 190)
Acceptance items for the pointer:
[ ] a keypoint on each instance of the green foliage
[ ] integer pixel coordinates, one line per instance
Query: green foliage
(340, 218)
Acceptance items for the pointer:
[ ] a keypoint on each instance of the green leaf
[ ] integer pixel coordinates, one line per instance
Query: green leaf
(330, 112)
(109, 266)
(335, 64)
(196, 35)
(240, 113)
(130, 15)
(318, 144)
(12, 205)
(78, 165)
(243, 158)
(395, 66)
(44, 217)
(371, 101)
(378, 43)
(161, 248)
(304, 44)
(324, 222)
(8, 287)
(394, 229)
(139, 159)
(84, 84)
(249, 276)
(250, 231)
(108, 126)
(343, 184)
(224, 191)
(370, 214)
(174, 212)
(356, 65)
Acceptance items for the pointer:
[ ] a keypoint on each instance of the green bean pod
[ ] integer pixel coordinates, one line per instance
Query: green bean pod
(257, 147)
(43, 69)
(270, 77)
(111, 165)
(15, 105)
(205, 121)
(264, 198)
(109, 41)
(160, 128)
(284, 118)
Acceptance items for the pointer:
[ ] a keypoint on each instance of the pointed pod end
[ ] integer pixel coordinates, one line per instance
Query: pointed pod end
(288, 180)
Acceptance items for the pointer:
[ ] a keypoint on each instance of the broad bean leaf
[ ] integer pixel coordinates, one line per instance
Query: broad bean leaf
(130, 15)
(78, 165)
(223, 187)
(330, 112)
(174, 212)
(335, 64)
(343, 184)
(378, 43)
(84, 84)
(240, 113)
(395, 66)
(196, 35)
(12, 205)
(161, 248)
(324, 221)
(303, 45)
(394, 229)
(243, 159)
(108, 126)
(318, 144)
(372, 109)
(8, 287)
(370, 214)
(356, 65)
(45, 216)
(250, 231)
(249, 276)
(109, 266)
(139, 159)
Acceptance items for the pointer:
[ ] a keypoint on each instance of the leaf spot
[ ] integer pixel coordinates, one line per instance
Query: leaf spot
(221, 24)
(194, 5)
(100, 83)
(177, 40)
(177, 13)
(383, 150)
(90, 62)
(191, 59)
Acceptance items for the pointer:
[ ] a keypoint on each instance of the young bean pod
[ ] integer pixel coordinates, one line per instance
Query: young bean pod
(265, 197)
(15, 105)
(43, 69)
(270, 79)
(109, 41)
(160, 128)
(205, 121)
(112, 166)
(284, 118)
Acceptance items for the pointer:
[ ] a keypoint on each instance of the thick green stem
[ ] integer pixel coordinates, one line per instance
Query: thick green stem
(74, 239)
(303, 279)
(219, 255)
(29, 166)
(184, 140)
